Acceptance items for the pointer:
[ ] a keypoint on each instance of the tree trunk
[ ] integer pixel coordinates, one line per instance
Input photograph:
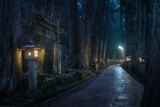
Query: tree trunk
(75, 34)
(9, 39)
(152, 88)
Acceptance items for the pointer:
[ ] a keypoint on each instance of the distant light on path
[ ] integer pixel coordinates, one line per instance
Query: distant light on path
(121, 48)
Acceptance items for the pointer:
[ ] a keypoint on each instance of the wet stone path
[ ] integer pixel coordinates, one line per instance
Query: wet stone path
(113, 88)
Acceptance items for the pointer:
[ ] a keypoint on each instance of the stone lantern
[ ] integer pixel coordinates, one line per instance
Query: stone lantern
(31, 54)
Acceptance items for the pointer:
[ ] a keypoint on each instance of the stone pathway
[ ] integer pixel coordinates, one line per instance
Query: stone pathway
(113, 88)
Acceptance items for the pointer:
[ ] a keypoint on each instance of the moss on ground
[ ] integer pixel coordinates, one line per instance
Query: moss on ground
(50, 88)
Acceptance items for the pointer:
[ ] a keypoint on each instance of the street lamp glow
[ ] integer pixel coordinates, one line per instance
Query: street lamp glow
(122, 51)
(121, 48)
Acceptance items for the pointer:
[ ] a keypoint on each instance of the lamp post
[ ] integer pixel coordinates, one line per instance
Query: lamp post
(32, 57)
(122, 50)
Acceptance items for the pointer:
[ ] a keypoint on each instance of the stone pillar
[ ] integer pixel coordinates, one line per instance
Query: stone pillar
(59, 59)
(32, 74)
(55, 57)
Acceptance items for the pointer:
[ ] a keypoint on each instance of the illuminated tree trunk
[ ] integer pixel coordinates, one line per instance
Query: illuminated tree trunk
(58, 11)
(98, 38)
(88, 25)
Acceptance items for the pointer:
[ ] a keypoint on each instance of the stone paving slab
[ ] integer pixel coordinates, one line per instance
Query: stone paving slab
(113, 88)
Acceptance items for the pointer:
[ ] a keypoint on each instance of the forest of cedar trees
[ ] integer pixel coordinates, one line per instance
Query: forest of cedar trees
(78, 36)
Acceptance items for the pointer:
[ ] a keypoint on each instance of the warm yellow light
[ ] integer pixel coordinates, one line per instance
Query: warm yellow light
(29, 53)
(35, 53)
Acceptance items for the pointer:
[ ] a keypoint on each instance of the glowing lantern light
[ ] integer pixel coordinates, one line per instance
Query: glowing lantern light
(31, 52)
(36, 53)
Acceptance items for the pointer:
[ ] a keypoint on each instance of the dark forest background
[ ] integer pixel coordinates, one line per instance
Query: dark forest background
(91, 32)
